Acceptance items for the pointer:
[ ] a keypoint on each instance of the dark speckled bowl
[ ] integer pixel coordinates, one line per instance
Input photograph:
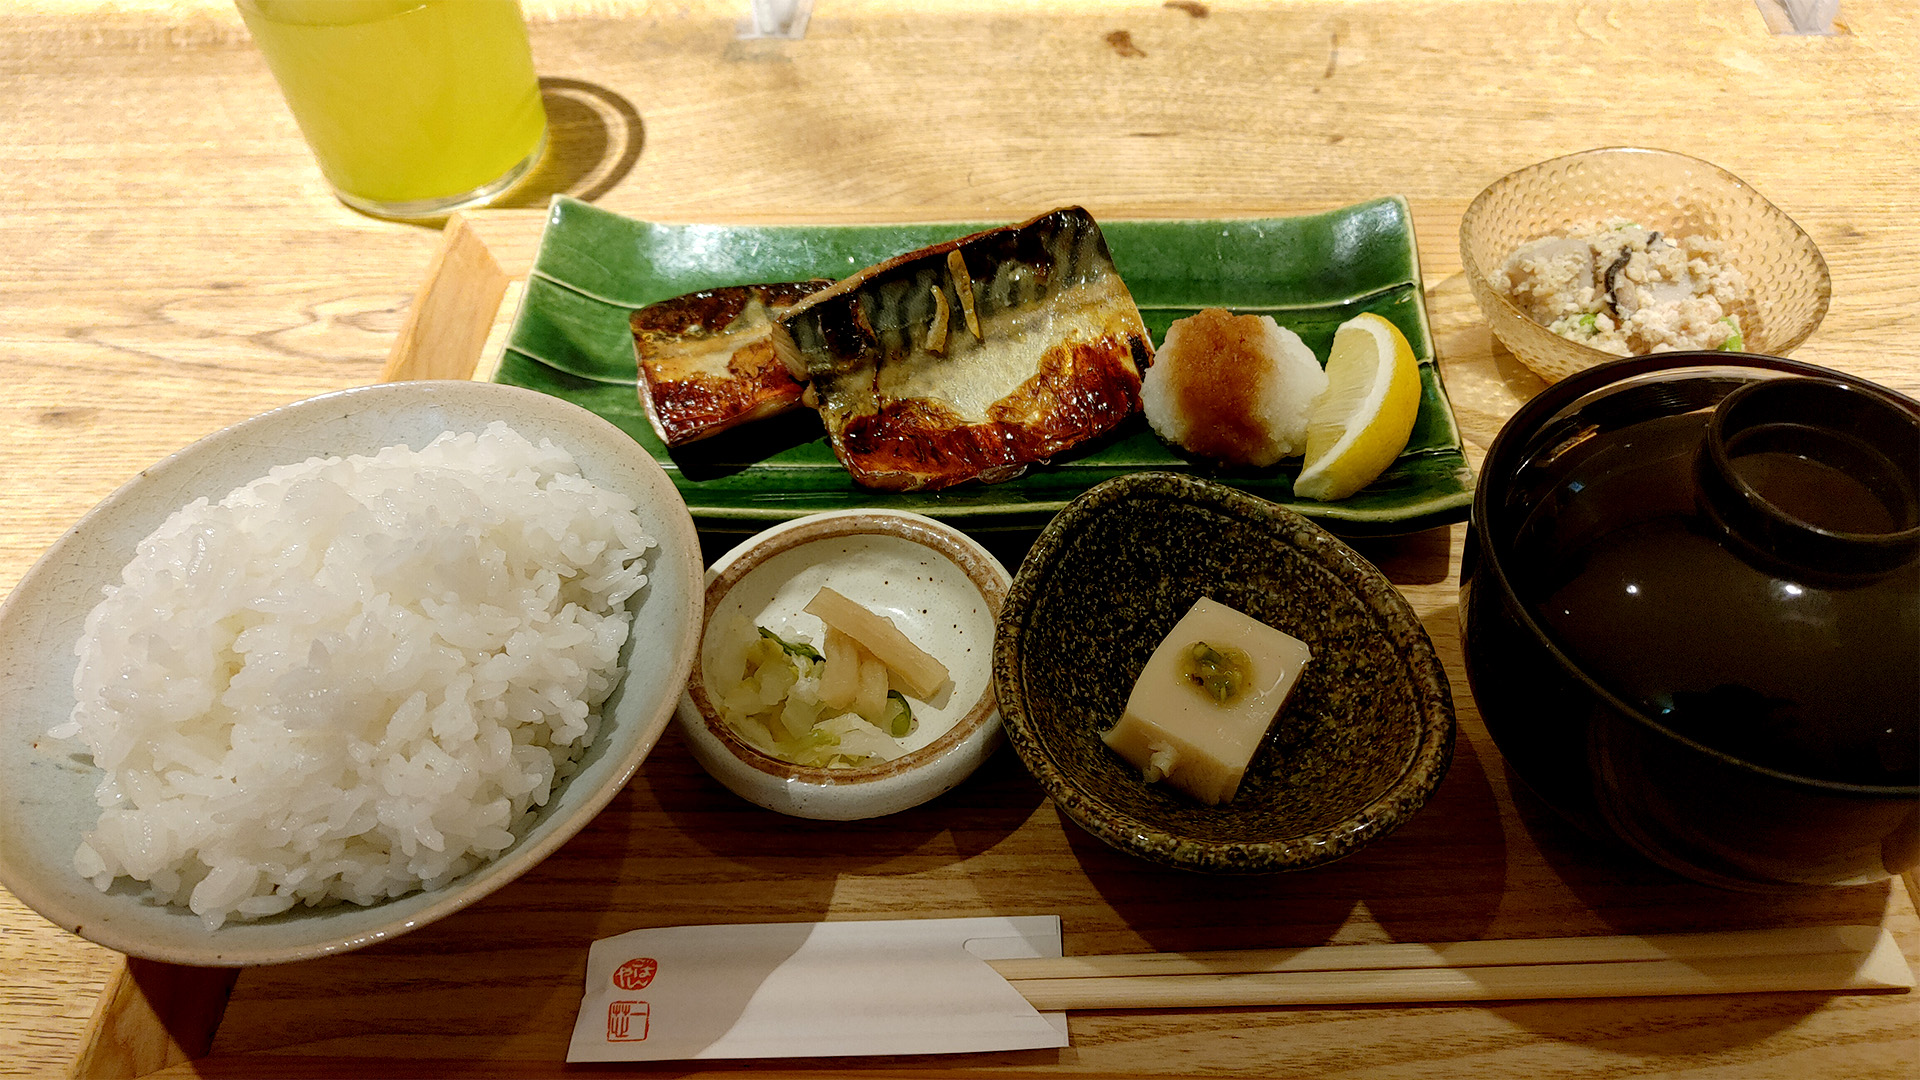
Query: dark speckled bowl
(1358, 747)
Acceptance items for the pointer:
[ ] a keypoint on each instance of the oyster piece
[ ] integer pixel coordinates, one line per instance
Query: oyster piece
(972, 359)
(706, 359)
(1659, 278)
(1551, 277)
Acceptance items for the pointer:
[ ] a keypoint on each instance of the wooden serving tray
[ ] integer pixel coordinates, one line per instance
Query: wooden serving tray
(493, 989)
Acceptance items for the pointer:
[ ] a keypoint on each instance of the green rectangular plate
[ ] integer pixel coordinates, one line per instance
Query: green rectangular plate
(570, 339)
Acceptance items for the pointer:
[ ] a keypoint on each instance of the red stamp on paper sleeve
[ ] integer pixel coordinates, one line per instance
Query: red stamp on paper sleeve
(635, 974)
(627, 1021)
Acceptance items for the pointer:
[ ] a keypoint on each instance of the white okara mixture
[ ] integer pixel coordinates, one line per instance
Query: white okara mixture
(1627, 290)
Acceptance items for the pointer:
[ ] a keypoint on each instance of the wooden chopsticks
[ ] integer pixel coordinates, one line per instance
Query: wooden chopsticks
(1834, 958)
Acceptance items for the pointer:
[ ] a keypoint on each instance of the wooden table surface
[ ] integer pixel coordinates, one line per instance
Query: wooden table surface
(171, 262)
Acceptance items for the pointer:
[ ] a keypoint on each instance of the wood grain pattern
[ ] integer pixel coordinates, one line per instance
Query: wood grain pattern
(449, 319)
(152, 1016)
(171, 262)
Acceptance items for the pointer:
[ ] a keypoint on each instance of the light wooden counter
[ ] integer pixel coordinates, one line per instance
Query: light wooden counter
(171, 262)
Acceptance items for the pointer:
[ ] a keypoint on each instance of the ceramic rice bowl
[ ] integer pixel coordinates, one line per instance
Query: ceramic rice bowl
(1356, 750)
(49, 783)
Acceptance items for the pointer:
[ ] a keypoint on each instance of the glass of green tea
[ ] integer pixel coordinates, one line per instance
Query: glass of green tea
(413, 108)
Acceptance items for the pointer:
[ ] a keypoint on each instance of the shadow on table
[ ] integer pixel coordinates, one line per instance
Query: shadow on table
(1631, 895)
(1422, 558)
(1439, 877)
(802, 860)
(594, 138)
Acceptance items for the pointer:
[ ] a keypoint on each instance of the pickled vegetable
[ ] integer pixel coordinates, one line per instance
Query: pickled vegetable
(918, 672)
(829, 707)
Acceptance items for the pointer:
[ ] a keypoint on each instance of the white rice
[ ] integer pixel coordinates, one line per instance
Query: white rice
(352, 678)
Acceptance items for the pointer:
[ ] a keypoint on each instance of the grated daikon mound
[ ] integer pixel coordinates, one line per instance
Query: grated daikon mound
(352, 678)
(1232, 388)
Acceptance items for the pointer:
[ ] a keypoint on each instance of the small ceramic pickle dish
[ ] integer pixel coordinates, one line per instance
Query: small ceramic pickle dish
(938, 587)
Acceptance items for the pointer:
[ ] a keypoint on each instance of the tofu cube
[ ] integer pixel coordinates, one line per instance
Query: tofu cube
(1196, 731)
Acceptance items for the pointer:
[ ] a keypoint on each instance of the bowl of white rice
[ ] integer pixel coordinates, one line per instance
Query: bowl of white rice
(338, 671)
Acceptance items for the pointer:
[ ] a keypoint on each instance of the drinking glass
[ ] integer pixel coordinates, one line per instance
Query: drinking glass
(413, 108)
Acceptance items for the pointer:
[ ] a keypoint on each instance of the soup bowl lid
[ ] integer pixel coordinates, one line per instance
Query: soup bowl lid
(1724, 547)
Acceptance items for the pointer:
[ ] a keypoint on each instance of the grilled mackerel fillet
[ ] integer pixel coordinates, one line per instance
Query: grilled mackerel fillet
(706, 359)
(972, 359)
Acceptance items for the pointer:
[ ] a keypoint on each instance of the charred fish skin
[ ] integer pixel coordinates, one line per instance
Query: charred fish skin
(706, 362)
(974, 359)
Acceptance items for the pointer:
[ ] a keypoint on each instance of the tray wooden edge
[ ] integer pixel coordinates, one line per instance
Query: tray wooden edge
(447, 325)
(153, 1016)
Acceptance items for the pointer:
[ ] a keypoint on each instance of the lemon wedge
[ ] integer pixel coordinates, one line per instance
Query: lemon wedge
(1361, 422)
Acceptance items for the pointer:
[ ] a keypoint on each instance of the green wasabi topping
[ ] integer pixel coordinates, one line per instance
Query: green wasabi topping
(1219, 671)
